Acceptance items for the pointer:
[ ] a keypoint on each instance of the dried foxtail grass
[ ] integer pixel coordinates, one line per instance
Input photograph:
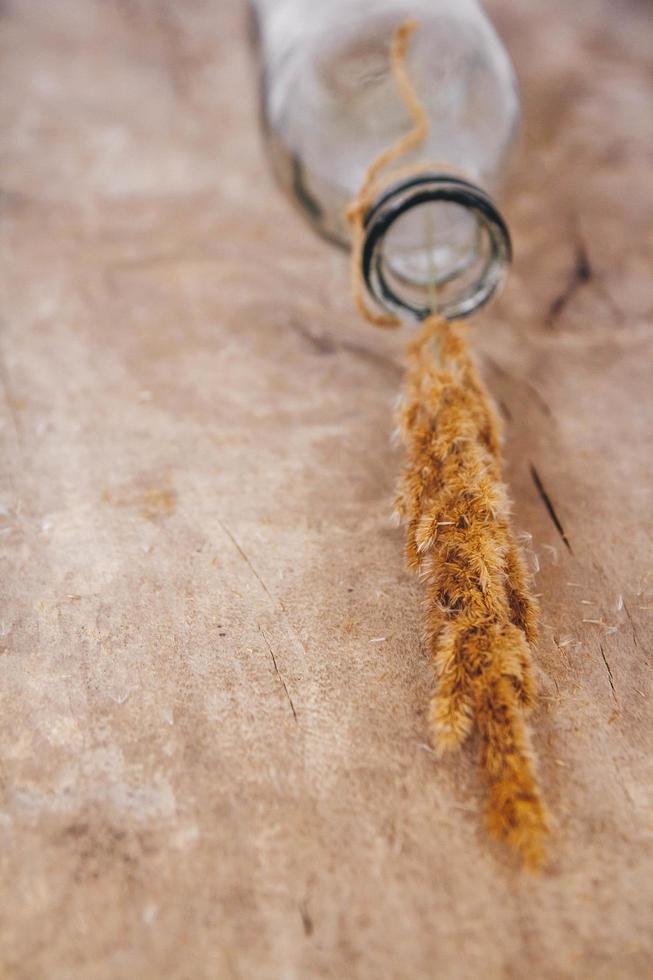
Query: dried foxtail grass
(480, 613)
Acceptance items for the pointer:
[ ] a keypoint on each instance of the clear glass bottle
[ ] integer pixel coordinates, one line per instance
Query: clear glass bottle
(330, 106)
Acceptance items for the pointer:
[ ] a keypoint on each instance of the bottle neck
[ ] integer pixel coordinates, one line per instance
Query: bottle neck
(434, 243)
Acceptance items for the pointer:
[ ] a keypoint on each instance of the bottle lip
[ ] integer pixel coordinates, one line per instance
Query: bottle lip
(413, 192)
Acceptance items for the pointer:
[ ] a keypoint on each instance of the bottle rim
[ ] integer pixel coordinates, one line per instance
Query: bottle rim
(413, 192)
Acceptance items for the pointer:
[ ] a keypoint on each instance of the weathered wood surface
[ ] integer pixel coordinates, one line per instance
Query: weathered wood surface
(213, 688)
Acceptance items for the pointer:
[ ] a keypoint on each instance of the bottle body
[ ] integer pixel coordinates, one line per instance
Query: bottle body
(331, 106)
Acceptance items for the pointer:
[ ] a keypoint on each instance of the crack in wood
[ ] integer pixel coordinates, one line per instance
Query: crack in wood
(307, 921)
(278, 672)
(507, 376)
(276, 602)
(609, 670)
(581, 274)
(539, 486)
(629, 616)
(247, 561)
(326, 345)
(505, 411)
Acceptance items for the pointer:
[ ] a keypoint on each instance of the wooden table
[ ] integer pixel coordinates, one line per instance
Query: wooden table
(213, 689)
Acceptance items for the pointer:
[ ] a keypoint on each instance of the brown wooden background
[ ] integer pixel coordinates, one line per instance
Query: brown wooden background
(213, 690)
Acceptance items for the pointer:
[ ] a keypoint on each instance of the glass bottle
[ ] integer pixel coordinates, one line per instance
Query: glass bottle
(330, 106)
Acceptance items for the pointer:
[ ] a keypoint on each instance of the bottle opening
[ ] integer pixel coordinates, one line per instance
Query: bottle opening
(434, 243)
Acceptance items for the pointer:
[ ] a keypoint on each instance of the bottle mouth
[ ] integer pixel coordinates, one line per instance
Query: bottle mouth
(434, 243)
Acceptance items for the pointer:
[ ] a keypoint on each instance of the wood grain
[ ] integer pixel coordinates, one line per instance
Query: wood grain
(213, 688)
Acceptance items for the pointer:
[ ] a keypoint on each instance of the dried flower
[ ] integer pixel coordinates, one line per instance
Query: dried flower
(480, 612)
